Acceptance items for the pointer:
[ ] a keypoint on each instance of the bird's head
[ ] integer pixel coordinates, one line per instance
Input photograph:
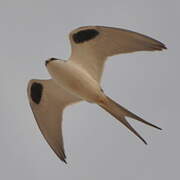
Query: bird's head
(50, 60)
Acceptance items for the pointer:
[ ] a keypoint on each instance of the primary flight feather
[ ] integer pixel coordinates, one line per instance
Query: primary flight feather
(78, 79)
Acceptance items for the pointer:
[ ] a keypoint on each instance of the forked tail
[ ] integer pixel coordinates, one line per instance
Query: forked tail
(120, 113)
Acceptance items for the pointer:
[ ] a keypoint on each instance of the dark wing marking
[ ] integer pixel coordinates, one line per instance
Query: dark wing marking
(85, 35)
(36, 92)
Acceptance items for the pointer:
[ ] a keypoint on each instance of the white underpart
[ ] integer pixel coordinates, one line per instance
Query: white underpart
(75, 79)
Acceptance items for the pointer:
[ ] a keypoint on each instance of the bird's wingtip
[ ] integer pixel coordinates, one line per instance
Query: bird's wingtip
(159, 47)
(163, 46)
(64, 160)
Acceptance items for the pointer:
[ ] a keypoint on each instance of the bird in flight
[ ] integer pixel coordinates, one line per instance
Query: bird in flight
(78, 79)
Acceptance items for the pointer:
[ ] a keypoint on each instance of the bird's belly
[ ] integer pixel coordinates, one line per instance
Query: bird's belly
(76, 81)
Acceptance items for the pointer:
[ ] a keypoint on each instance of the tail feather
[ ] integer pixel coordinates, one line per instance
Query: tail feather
(120, 113)
(134, 116)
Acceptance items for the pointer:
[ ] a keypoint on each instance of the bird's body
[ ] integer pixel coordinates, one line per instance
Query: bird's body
(75, 80)
(78, 79)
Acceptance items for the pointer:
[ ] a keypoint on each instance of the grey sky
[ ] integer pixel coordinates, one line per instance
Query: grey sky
(97, 146)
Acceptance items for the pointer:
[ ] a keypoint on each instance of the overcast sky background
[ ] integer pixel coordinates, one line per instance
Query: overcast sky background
(97, 146)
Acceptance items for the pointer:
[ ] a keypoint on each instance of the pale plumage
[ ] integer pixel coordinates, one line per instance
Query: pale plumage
(79, 79)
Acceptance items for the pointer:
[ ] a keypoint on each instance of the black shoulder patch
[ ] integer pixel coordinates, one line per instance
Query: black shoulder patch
(36, 92)
(85, 35)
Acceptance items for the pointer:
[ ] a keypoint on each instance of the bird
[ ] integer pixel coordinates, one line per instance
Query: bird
(78, 79)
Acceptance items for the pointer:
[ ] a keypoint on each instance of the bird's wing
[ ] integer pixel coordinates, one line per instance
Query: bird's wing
(91, 45)
(47, 101)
